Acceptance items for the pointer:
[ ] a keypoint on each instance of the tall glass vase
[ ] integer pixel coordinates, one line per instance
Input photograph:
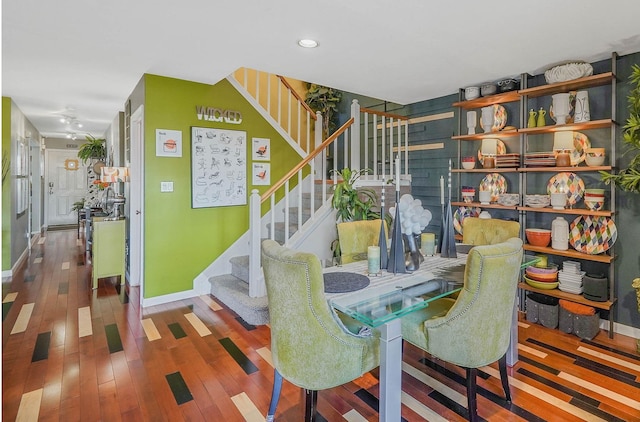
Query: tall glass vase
(413, 256)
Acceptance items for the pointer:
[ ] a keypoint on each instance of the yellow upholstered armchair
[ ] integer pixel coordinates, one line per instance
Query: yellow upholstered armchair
(355, 236)
(311, 347)
(487, 231)
(476, 330)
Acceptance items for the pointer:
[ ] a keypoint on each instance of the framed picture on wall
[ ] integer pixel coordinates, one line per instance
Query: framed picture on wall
(261, 174)
(218, 167)
(168, 143)
(261, 149)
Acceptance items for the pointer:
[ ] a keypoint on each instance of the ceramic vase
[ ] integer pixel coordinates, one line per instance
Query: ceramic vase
(560, 234)
(560, 105)
(488, 114)
(582, 107)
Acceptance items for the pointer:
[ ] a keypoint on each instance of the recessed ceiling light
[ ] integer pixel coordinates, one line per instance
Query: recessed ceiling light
(308, 43)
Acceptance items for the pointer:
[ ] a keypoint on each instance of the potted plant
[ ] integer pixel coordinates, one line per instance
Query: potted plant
(628, 179)
(94, 148)
(350, 203)
(325, 100)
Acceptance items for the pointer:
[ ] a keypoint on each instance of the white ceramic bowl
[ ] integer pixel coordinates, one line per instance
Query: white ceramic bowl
(468, 165)
(594, 161)
(471, 92)
(509, 199)
(568, 72)
(537, 201)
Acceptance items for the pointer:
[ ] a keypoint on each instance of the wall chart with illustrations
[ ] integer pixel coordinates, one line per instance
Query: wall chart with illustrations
(218, 167)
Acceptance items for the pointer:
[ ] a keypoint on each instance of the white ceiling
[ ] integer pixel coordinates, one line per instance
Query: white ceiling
(84, 57)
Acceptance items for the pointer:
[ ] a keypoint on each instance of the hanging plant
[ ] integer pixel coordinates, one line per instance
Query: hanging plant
(628, 179)
(93, 148)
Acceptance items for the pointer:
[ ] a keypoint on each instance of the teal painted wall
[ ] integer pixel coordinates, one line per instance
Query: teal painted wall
(6, 186)
(180, 242)
(426, 166)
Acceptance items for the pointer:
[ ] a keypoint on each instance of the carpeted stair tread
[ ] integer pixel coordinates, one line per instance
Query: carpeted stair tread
(240, 267)
(234, 293)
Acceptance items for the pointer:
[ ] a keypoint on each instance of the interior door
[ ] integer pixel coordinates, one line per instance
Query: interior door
(63, 187)
(136, 202)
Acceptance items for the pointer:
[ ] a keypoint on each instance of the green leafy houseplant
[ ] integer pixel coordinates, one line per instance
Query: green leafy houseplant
(77, 206)
(349, 202)
(93, 148)
(325, 100)
(628, 179)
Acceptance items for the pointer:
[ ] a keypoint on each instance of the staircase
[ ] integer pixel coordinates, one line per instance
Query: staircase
(303, 218)
(233, 289)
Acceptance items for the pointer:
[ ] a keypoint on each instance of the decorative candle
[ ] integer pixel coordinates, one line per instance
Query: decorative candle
(441, 190)
(428, 243)
(373, 259)
(397, 173)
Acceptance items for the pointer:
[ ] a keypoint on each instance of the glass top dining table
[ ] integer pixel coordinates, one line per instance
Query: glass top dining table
(387, 299)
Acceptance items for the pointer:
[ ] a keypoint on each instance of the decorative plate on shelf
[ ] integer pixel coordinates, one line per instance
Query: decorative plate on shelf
(592, 235)
(501, 149)
(580, 144)
(569, 183)
(494, 183)
(461, 213)
(499, 118)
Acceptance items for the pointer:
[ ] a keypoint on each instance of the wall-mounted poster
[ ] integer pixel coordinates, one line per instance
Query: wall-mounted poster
(261, 174)
(168, 143)
(261, 149)
(218, 167)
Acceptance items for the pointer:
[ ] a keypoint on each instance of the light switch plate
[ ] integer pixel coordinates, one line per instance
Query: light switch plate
(166, 186)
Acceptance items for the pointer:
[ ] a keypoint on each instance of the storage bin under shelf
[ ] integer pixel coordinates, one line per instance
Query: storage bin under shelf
(568, 296)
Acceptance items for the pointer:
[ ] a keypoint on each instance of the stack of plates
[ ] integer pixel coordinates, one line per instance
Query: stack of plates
(570, 277)
(537, 201)
(508, 160)
(540, 159)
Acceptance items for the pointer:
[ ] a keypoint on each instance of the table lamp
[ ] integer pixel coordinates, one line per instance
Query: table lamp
(562, 147)
(489, 150)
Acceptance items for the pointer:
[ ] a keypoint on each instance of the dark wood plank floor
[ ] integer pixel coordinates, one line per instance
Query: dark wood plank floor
(73, 354)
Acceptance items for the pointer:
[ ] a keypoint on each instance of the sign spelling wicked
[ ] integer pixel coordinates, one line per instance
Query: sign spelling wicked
(214, 114)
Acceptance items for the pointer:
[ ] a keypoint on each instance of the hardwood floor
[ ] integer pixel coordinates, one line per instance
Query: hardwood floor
(71, 354)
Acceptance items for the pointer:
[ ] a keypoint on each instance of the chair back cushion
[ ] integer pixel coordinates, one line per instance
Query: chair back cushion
(489, 231)
(309, 345)
(476, 330)
(356, 236)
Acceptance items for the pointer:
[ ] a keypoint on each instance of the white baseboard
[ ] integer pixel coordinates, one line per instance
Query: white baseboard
(161, 300)
(7, 273)
(618, 328)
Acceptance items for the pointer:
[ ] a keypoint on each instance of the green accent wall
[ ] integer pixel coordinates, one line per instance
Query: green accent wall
(180, 242)
(6, 186)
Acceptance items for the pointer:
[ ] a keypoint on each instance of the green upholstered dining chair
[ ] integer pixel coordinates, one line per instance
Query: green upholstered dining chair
(487, 231)
(311, 345)
(356, 236)
(475, 331)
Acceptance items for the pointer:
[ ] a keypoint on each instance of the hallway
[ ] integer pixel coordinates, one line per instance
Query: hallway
(73, 354)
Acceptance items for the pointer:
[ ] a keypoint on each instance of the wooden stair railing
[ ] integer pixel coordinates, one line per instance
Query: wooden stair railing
(282, 102)
(316, 157)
